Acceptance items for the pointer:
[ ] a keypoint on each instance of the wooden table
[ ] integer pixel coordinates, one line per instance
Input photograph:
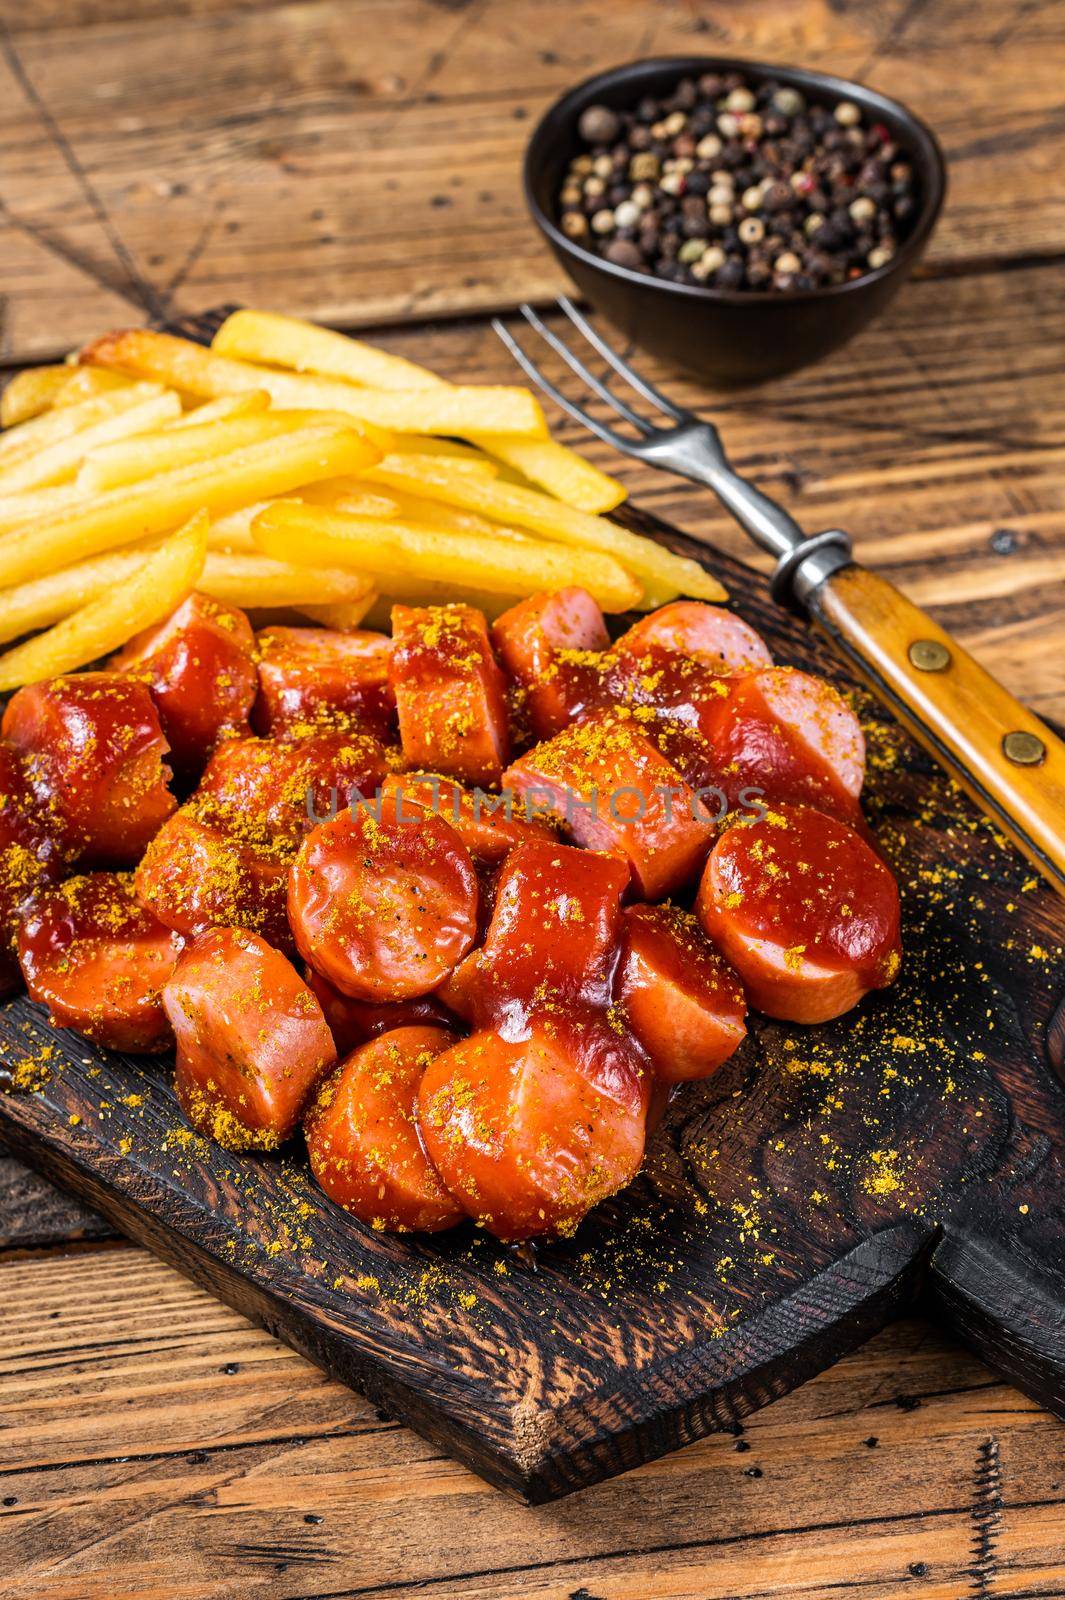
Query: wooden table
(359, 162)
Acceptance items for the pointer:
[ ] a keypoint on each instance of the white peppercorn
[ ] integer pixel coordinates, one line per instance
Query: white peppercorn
(740, 100)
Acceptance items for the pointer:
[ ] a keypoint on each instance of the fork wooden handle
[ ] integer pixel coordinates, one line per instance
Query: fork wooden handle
(1010, 763)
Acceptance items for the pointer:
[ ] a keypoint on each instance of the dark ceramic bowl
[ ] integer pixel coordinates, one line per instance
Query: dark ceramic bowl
(729, 336)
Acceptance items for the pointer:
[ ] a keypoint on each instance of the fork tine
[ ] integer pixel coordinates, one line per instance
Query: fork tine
(622, 368)
(532, 371)
(577, 366)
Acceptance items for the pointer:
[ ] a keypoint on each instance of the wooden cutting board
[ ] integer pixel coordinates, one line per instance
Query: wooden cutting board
(813, 1190)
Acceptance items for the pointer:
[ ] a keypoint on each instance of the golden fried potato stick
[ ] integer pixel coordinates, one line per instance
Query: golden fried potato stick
(165, 450)
(224, 408)
(657, 568)
(60, 461)
(163, 579)
(289, 531)
(447, 410)
(30, 392)
(122, 516)
(39, 433)
(305, 347)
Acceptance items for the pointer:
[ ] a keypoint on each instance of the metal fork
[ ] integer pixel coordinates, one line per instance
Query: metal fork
(1009, 761)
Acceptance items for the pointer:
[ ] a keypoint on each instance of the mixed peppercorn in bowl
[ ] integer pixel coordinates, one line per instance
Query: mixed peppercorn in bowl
(739, 218)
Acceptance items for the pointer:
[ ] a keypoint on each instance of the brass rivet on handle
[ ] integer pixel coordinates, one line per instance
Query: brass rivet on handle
(1023, 749)
(928, 655)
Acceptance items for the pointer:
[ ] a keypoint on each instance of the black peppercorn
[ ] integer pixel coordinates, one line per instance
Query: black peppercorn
(738, 185)
(599, 125)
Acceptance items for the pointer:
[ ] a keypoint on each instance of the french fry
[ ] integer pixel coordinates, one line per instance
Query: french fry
(424, 444)
(132, 460)
(42, 601)
(232, 532)
(289, 342)
(60, 460)
(411, 507)
(224, 408)
(30, 392)
(344, 615)
(163, 579)
(122, 516)
(559, 470)
(262, 336)
(18, 509)
(85, 383)
(196, 371)
(242, 579)
(256, 580)
(351, 495)
(656, 567)
(40, 433)
(289, 531)
(447, 410)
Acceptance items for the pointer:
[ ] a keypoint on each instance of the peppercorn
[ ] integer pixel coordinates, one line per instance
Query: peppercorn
(738, 184)
(788, 102)
(599, 125)
(690, 250)
(624, 253)
(644, 166)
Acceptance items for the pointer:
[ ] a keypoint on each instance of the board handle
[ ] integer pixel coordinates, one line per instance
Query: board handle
(1004, 757)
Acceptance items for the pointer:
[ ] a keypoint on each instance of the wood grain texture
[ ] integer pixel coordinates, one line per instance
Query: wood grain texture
(937, 438)
(168, 158)
(157, 1446)
(788, 1208)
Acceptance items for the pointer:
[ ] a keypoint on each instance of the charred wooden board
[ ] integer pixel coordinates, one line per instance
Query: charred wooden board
(787, 1209)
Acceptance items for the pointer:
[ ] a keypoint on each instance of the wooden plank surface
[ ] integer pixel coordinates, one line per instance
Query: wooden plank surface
(236, 1469)
(157, 159)
(207, 150)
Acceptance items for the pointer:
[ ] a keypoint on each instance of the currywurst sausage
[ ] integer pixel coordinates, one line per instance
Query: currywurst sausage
(804, 910)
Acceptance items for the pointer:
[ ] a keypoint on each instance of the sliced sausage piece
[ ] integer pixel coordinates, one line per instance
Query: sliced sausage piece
(30, 856)
(791, 736)
(529, 1134)
(490, 826)
(553, 935)
(363, 1141)
(612, 790)
(353, 1022)
(288, 786)
(99, 962)
(450, 693)
(804, 910)
(198, 873)
(683, 1002)
(319, 678)
(550, 646)
(95, 758)
(384, 909)
(710, 634)
(200, 667)
(252, 1044)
